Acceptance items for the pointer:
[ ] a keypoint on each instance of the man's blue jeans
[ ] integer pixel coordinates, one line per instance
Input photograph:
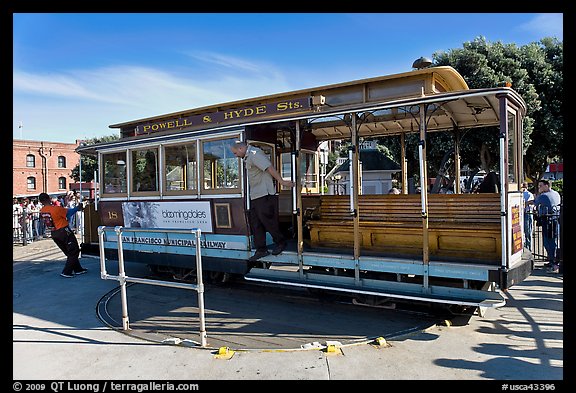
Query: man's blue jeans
(528, 221)
(550, 230)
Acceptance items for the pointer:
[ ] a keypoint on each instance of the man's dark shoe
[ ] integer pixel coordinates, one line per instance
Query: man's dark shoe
(279, 248)
(81, 271)
(258, 254)
(66, 275)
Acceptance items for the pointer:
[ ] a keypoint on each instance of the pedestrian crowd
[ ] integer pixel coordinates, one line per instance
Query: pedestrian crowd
(26, 222)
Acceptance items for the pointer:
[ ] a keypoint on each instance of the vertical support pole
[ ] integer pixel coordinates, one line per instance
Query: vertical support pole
(503, 176)
(200, 287)
(293, 178)
(298, 201)
(351, 176)
(96, 190)
(246, 189)
(103, 273)
(199, 177)
(160, 164)
(457, 161)
(354, 187)
(247, 193)
(424, 192)
(80, 217)
(128, 172)
(404, 164)
(323, 162)
(80, 175)
(122, 279)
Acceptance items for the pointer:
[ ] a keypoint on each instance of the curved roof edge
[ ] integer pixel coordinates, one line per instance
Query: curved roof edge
(452, 77)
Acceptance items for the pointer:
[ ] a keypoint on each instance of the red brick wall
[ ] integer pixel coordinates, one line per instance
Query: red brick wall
(52, 150)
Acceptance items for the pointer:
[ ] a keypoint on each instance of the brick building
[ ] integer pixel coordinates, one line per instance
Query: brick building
(40, 166)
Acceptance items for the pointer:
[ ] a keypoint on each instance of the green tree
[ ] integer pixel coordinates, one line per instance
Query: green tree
(89, 162)
(544, 63)
(535, 71)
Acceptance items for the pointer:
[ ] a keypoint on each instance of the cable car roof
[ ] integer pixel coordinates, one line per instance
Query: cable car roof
(385, 105)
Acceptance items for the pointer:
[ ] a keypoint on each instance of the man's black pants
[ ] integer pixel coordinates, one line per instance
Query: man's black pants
(264, 218)
(66, 241)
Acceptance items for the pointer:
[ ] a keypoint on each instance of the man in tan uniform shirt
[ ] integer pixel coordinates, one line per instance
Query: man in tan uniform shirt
(263, 213)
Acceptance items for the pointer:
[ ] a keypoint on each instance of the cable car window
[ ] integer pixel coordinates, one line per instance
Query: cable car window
(114, 168)
(220, 165)
(286, 167)
(308, 170)
(181, 167)
(145, 170)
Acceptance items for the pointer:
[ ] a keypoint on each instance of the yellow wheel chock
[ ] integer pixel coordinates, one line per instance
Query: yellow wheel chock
(333, 348)
(224, 353)
(446, 322)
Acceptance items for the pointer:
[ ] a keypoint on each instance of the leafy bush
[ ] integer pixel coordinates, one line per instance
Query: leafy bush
(558, 185)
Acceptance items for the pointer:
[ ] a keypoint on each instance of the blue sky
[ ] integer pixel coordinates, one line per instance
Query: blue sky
(74, 74)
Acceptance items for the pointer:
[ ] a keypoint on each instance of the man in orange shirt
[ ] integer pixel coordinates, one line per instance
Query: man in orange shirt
(56, 219)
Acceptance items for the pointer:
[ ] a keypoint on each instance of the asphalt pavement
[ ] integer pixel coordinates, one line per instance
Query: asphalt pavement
(57, 335)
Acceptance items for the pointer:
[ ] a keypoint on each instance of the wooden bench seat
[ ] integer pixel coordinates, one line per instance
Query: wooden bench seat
(459, 225)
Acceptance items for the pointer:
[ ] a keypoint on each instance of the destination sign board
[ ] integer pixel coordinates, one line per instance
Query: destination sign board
(227, 116)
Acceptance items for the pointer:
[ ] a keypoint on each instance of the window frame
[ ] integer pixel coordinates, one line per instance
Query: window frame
(28, 161)
(131, 177)
(61, 161)
(515, 162)
(316, 174)
(28, 183)
(191, 192)
(102, 175)
(218, 191)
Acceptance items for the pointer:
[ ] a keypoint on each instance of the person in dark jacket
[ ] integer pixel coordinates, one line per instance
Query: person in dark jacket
(491, 183)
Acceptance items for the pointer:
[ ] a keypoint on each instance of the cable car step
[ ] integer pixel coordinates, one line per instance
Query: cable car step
(401, 290)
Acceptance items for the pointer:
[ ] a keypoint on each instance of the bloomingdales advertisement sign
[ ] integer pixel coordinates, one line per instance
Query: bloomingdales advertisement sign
(173, 215)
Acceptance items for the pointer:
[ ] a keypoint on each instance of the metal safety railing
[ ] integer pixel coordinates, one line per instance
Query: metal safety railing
(123, 278)
(28, 227)
(534, 227)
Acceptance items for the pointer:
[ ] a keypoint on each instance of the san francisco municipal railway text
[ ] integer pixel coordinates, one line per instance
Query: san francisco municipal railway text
(174, 242)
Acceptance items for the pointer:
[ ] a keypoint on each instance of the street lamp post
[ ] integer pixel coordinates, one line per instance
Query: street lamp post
(80, 171)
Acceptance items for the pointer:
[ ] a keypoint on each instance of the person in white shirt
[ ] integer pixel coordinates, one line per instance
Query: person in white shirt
(528, 215)
(71, 202)
(16, 216)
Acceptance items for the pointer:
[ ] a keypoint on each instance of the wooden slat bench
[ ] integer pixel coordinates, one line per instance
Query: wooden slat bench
(463, 226)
